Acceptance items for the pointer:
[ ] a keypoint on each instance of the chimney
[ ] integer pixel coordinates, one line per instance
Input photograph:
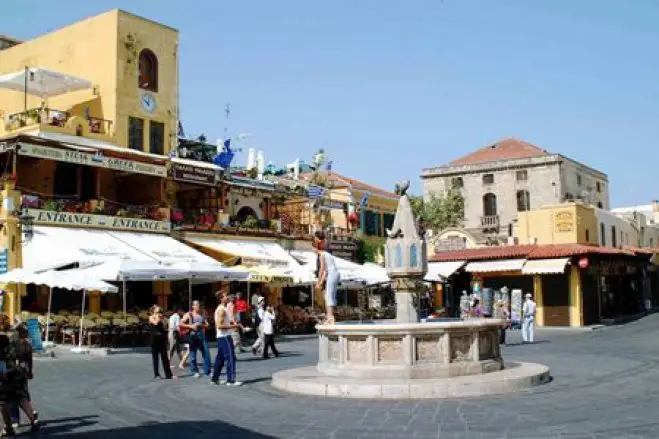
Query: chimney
(251, 158)
(296, 170)
(260, 164)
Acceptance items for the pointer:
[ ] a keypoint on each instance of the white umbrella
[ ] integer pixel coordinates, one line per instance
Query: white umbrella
(18, 276)
(209, 272)
(121, 269)
(43, 82)
(72, 280)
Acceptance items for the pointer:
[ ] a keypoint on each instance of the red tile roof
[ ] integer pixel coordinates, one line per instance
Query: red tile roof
(506, 149)
(343, 181)
(528, 252)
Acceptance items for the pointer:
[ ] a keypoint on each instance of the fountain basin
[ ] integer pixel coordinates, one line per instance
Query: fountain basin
(410, 351)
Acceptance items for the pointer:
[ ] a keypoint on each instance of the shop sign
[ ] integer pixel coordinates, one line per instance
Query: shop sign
(193, 174)
(333, 204)
(98, 221)
(564, 222)
(452, 243)
(92, 159)
(343, 247)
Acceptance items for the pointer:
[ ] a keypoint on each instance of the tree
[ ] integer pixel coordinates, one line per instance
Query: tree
(438, 213)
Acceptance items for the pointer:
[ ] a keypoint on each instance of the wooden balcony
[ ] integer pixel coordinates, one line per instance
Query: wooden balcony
(490, 223)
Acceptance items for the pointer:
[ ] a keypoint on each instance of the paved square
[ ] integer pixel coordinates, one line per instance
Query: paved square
(606, 385)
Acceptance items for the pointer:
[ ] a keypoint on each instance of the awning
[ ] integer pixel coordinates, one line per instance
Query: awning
(251, 252)
(545, 266)
(498, 265)
(352, 274)
(55, 247)
(438, 271)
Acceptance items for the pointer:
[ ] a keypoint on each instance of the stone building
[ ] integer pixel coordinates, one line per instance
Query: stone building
(511, 176)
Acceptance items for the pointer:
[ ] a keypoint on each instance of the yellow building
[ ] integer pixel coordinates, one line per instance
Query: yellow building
(566, 223)
(96, 120)
(131, 64)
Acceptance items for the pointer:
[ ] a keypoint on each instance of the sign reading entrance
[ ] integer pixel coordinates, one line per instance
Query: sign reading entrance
(92, 159)
(193, 174)
(99, 221)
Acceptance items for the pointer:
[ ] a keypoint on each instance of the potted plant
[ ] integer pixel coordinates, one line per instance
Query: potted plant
(251, 222)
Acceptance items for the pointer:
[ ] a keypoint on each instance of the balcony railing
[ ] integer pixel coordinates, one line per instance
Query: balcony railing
(96, 207)
(100, 126)
(490, 222)
(54, 117)
(208, 220)
(48, 116)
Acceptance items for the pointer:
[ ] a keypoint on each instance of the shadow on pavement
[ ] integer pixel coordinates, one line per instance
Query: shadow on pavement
(175, 430)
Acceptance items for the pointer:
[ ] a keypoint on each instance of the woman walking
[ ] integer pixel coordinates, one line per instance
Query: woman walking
(159, 342)
(195, 322)
(25, 362)
(328, 276)
(13, 390)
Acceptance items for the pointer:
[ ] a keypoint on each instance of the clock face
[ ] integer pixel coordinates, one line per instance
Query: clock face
(148, 102)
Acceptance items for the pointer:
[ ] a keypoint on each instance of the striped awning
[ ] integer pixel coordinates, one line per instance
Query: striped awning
(499, 265)
(545, 266)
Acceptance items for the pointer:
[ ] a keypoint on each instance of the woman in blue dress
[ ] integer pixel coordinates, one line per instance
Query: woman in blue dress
(328, 276)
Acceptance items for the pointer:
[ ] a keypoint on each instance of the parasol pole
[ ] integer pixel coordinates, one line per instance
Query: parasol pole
(189, 293)
(82, 317)
(50, 302)
(123, 290)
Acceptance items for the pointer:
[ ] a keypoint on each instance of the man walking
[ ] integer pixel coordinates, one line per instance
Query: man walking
(235, 319)
(225, 349)
(268, 330)
(528, 319)
(258, 320)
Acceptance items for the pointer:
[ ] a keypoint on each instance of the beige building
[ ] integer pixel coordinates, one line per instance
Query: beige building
(512, 176)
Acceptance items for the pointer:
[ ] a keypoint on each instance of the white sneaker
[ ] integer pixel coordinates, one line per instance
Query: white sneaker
(197, 375)
(235, 384)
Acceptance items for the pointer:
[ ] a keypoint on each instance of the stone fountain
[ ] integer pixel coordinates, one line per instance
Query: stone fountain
(406, 358)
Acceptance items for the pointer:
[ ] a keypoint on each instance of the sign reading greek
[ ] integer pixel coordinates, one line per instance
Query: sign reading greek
(99, 221)
(92, 159)
(193, 174)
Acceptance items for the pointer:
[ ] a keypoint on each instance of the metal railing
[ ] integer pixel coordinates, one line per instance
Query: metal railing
(490, 222)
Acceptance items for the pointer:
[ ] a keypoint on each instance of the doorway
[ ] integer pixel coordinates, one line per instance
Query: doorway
(556, 299)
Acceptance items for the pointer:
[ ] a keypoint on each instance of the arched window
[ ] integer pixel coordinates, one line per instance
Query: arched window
(148, 71)
(244, 213)
(489, 204)
(414, 262)
(523, 201)
(399, 256)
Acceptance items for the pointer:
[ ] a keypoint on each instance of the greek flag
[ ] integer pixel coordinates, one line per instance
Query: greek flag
(364, 200)
(315, 192)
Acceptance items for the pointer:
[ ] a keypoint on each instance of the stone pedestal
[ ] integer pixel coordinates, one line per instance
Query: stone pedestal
(406, 312)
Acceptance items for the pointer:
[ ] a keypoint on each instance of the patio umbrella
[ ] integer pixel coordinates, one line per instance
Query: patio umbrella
(209, 272)
(42, 82)
(18, 276)
(121, 269)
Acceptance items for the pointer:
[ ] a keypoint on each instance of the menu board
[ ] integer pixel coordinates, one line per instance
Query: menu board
(516, 307)
(34, 333)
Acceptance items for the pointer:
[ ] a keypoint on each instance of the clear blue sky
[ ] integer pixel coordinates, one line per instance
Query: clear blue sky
(389, 87)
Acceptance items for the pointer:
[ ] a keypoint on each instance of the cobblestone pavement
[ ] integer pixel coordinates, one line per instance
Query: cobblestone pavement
(606, 385)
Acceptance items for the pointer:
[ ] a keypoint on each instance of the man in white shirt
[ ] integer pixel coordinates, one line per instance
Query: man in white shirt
(268, 324)
(528, 319)
(258, 344)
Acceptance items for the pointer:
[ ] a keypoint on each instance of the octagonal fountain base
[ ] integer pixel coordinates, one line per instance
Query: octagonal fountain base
(414, 361)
